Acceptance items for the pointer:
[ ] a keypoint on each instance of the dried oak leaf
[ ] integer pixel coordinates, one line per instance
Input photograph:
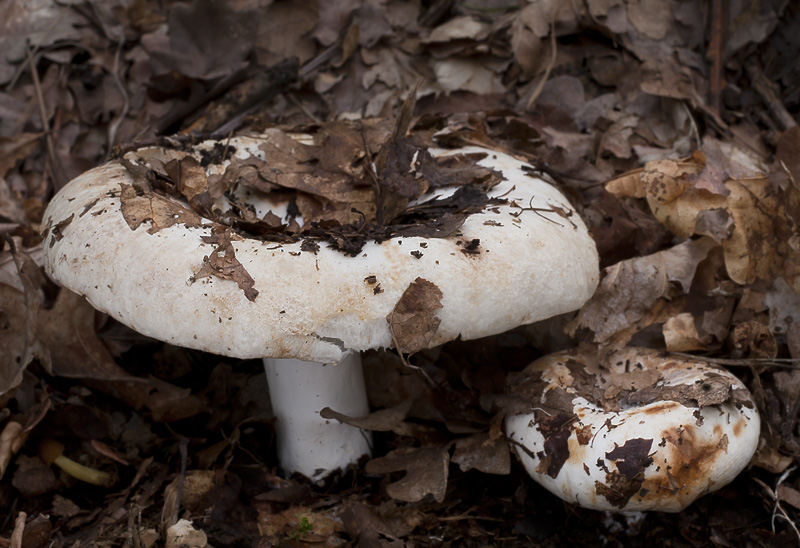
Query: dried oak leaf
(327, 170)
(726, 195)
(413, 321)
(491, 456)
(222, 263)
(680, 334)
(628, 290)
(138, 207)
(426, 472)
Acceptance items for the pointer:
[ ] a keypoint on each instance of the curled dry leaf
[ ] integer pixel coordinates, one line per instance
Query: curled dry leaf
(162, 212)
(184, 535)
(723, 194)
(413, 321)
(629, 289)
(680, 334)
(479, 451)
(426, 472)
(222, 263)
(383, 420)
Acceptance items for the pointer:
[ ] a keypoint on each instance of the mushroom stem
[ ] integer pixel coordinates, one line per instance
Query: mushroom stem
(299, 389)
(52, 452)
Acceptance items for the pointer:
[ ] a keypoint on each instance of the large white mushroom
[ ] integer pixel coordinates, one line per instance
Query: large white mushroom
(526, 257)
(640, 431)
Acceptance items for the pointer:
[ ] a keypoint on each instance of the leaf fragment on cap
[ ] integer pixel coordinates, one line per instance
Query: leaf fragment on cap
(413, 321)
(222, 263)
(160, 211)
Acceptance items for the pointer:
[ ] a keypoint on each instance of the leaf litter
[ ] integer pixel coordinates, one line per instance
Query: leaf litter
(671, 126)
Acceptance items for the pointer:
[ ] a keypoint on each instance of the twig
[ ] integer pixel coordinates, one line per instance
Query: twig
(296, 102)
(765, 89)
(56, 170)
(183, 110)
(693, 125)
(547, 70)
(114, 126)
(19, 530)
(184, 457)
(789, 363)
(376, 186)
(410, 366)
(777, 509)
(715, 53)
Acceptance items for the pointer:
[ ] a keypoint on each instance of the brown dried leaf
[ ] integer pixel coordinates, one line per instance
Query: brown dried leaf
(770, 459)
(40, 22)
(754, 340)
(680, 334)
(727, 197)
(223, 263)
(383, 420)
(196, 30)
(20, 319)
(73, 349)
(627, 185)
(426, 472)
(372, 529)
(284, 31)
(332, 170)
(788, 153)
(413, 321)
(189, 175)
(628, 290)
(491, 456)
(664, 180)
(789, 495)
(162, 212)
(12, 438)
(33, 477)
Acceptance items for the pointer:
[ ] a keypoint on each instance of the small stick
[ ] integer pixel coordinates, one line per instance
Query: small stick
(56, 170)
(765, 89)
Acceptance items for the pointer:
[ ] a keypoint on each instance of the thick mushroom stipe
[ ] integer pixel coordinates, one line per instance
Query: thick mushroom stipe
(307, 443)
(644, 431)
(532, 258)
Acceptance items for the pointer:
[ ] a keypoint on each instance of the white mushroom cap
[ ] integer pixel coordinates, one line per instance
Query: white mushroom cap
(644, 432)
(319, 306)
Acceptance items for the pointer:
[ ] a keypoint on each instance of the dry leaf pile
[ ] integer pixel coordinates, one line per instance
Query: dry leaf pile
(671, 124)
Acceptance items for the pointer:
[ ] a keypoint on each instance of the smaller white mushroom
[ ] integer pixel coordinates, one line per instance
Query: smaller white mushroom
(643, 431)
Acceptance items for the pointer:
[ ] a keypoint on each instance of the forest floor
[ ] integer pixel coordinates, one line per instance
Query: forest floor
(610, 98)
